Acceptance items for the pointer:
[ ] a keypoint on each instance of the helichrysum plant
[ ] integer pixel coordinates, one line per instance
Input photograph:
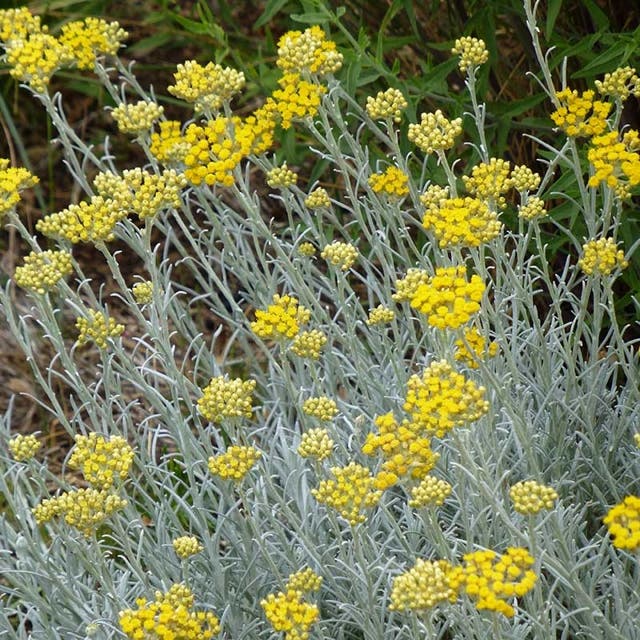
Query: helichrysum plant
(364, 400)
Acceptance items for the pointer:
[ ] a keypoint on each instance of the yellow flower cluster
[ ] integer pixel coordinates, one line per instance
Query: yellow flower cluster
(430, 492)
(393, 182)
(281, 177)
(280, 320)
(489, 181)
(406, 454)
(140, 191)
(387, 104)
(318, 199)
(169, 617)
(296, 99)
(102, 461)
(601, 257)
(442, 399)
(523, 179)
(472, 51)
(186, 546)
(97, 328)
(214, 149)
(316, 443)
(89, 38)
(12, 181)
(530, 497)
(474, 347)
(168, 146)
(448, 298)
(308, 52)
(340, 254)
(137, 118)
(309, 344)
(320, 407)
(380, 315)
(18, 24)
(492, 579)
(84, 509)
(532, 208)
(620, 84)
(305, 580)
(350, 493)
(615, 161)
(623, 522)
(143, 292)
(306, 249)
(223, 398)
(636, 439)
(36, 58)
(288, 612)
(234, 463)
(208, 87)
(92, 221)
(23, 447)
(579, 114)
(406, 287)
(42, 271)
(435, 133)
(423, 586)
(466, 222)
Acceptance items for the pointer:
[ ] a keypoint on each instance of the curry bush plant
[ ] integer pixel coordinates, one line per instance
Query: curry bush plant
(402, 422)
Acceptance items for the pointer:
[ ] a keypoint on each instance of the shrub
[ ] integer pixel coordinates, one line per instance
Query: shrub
(402, 423)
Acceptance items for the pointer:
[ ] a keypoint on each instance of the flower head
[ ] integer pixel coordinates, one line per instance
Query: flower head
(530, 497)
(442, 399)
(12, 181)
(23, 447)
(83, 509)
(392, 182)
(472, 51)
(137, 118)
(186, 546)
(296, 99)
(406, 287)
(42, 271)
(318, 199)
(350, 493)
(168, 145)
(102, 460)
(466, 222)
(92, 37)
(223, 398)
(308, 52)
(380, 315)
(320, 407)
(489, 181)
(169, 616)
(92, 221)
(435, 133)
(143, 292)
(431, 492)
(208, 87)
(305, 580)
(615, 161)
(601, 257)
(280, 320)
(523, 179)
(18, 24)
(287, 612)
(309, 344)
(234, 463)
(340, 254)
(491, 579)
(623, 522)
(448, 298)
(619, 84)
(580, 115)
(531, 209)
(97, 328)
(316, 443)
(423, 586)
(387, 104)
(281, 177)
